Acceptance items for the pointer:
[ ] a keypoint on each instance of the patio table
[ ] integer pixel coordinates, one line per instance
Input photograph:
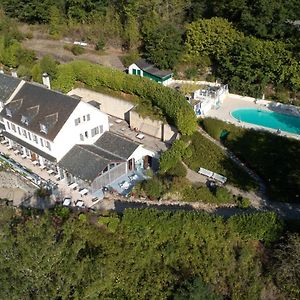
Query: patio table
(9, 147)
(50, 172)
(4, 142)
(73, 186)
(83, 192)
(35, 162)
(140, 136)
(16, 151)
(23, 155)
(57, 177)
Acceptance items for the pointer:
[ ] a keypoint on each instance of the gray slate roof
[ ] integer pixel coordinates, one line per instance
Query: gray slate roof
(53, 111)
(116, 144)
(87, 161)
(7, 86)
(151, 69)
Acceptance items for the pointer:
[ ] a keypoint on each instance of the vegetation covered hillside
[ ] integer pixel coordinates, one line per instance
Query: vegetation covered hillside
(252, 45)
(144, 254)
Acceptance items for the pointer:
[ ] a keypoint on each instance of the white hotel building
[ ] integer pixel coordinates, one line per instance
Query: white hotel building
(64, 134)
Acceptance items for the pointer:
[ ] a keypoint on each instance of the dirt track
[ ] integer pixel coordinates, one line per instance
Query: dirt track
(56, 49)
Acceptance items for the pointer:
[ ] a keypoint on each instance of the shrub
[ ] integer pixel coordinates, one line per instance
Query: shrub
(100, 44)
(153, 187)
(177, 170)
(171, 157)
(62, 212)
(130, 58)
(77, 50)
(266, 227)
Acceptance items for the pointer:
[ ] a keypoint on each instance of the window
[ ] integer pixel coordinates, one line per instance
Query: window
(35, 138)
(24, 120)
(29, 135)
(88, 117)
(8, 112)
(43, 128)
(86, 134)
(95, 131)
(101, 128)
(81, 136)
(83, 118)
(19, 130)
(48, 145)
(24, 133)
(77, 121)
(112, 166)
(8, 125)
(42, 143)
(13, 127)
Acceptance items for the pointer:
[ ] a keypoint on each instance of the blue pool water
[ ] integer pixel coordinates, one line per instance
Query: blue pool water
(268, 119)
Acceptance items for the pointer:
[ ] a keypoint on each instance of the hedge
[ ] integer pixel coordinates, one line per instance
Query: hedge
(173, 105)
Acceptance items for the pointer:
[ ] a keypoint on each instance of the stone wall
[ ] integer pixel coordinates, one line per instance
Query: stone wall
(111, 105)
(155, 128)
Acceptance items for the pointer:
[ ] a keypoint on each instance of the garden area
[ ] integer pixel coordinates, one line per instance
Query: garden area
(163, 255)
(172, 183)
(205, 154)
(275, 158)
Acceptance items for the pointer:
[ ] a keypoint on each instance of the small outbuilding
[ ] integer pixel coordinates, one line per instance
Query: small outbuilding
(145, 69)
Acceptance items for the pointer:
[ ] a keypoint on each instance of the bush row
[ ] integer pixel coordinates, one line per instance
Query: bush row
(173, 105)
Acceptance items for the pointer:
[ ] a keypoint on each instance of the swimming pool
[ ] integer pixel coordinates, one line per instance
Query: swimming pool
(268, 119)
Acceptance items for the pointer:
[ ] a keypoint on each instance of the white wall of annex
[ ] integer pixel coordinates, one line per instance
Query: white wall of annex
(140, 152)
(69, 135)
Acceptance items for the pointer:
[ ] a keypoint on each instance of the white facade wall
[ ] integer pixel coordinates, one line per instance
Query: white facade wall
(134, 66)
(27, 139)
(69, 135)
(140, 152)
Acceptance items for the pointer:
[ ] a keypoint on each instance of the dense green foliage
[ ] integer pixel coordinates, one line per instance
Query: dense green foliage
(172, 156)
(275, 158)
(170, 102)
(207, 155)
(286, 266)
(252, 45)
(145, 254)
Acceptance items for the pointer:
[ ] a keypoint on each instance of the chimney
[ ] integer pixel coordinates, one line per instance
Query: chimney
(14, 73)
(46, 80)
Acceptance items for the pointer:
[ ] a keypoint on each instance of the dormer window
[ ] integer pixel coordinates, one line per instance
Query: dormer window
(24, 120)
(8, 112)
(43, 128)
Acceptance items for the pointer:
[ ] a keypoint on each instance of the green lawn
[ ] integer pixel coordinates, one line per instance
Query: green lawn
(207, 155)
(275, 158)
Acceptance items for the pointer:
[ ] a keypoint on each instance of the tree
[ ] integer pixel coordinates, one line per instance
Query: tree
(213, 37)
(286, 267)
(163, 46)
(55, 21)
(196, 290)
(131, 33)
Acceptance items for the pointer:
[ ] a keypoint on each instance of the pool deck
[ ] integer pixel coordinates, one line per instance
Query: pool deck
(232, 102)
